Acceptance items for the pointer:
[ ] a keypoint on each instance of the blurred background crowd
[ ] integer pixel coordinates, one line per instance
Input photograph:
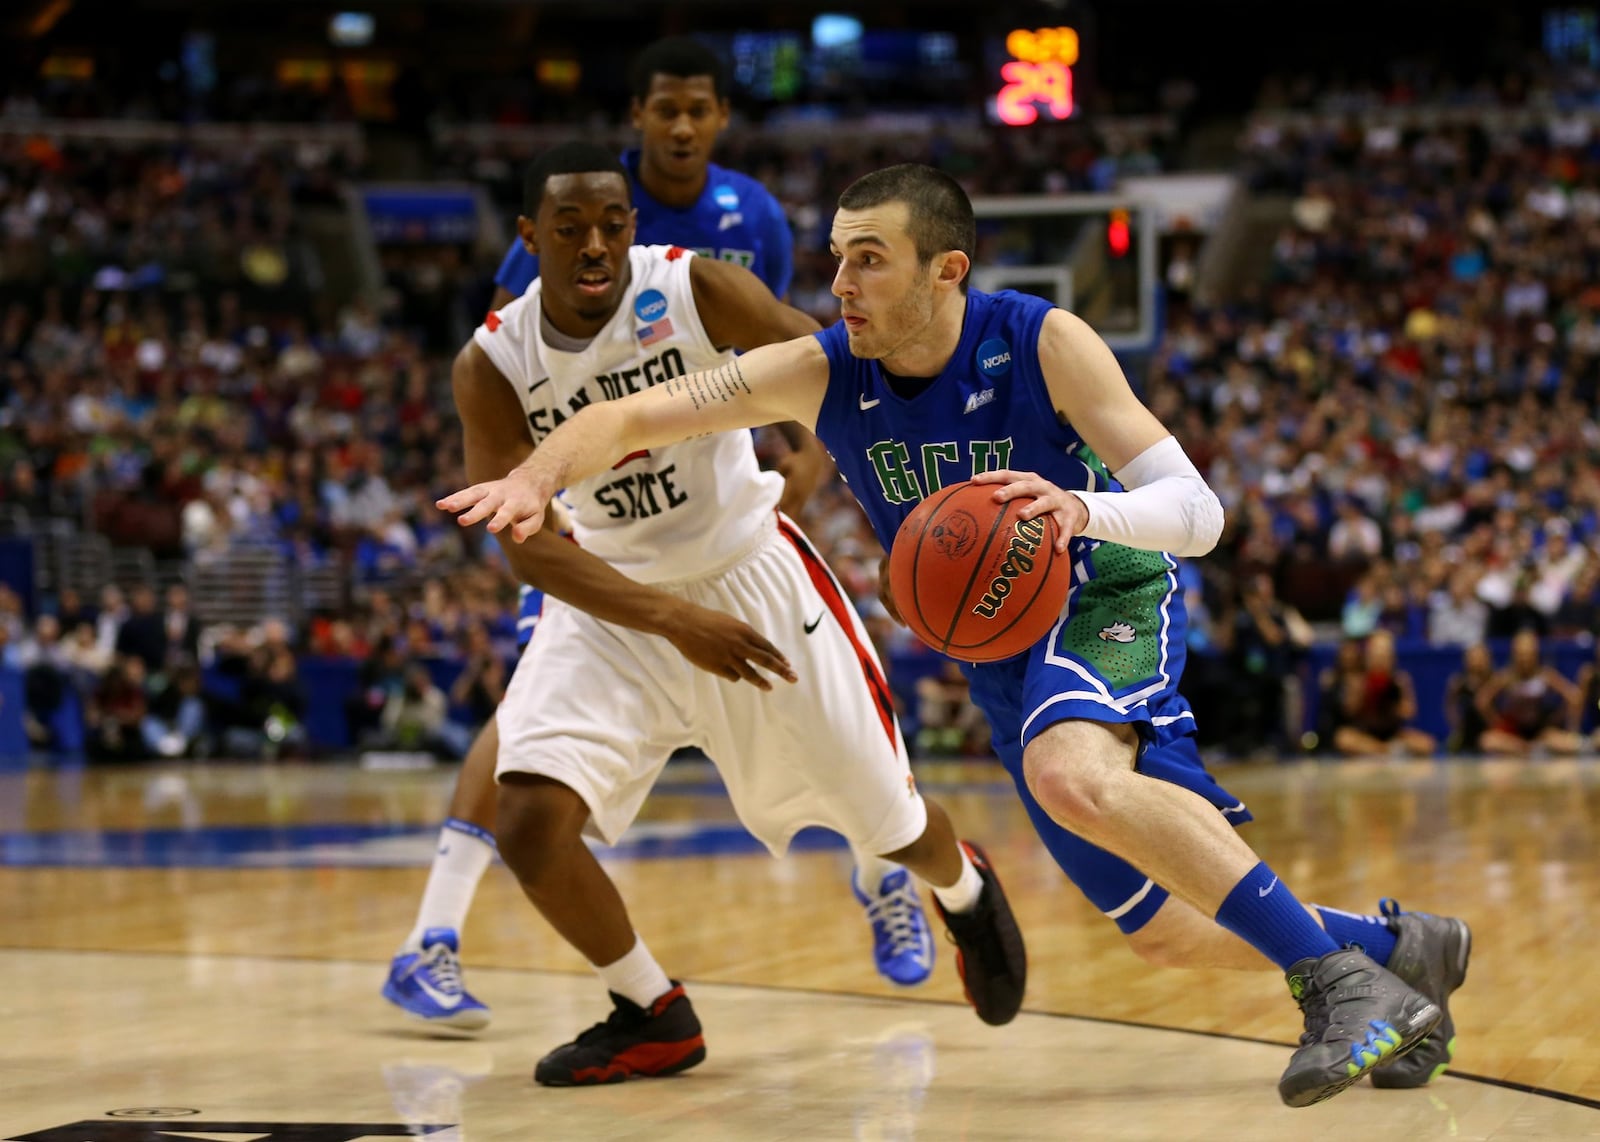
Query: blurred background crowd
(225, 413)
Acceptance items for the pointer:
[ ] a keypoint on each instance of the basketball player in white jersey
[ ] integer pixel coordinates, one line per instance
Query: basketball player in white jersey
(655, 632)
(680, 106)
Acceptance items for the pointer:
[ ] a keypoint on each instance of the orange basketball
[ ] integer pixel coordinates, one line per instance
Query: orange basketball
(974, 581)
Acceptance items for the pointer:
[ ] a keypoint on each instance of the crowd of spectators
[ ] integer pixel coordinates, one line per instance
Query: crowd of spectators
(137, 676)
(164, 383)
(1400, 421)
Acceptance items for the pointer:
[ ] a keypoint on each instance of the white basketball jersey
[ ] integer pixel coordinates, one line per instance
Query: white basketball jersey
(678, 512)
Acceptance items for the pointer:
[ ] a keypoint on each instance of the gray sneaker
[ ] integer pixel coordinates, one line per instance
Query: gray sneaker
(1357, 1015)
(1430, 955)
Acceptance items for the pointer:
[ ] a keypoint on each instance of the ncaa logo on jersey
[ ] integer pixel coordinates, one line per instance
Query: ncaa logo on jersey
(649, 305)
(994, 357)
(651, 308)
(726, 197)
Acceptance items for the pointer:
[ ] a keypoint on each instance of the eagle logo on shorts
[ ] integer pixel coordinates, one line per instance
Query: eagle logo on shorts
(1118, 632)
(954, 535)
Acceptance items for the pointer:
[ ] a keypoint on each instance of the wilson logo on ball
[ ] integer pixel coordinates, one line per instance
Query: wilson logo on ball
(1024, 545)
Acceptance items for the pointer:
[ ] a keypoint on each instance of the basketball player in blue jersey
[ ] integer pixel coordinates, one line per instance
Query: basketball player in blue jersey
(925, 383)
(680, 106)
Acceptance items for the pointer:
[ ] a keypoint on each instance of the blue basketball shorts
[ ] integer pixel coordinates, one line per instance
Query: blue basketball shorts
(1115, 656)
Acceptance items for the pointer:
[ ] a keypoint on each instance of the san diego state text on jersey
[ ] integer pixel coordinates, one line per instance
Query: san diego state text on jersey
(613, 386)
(642, 495)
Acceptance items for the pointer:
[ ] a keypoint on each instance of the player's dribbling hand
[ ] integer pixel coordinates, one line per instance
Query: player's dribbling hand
(727, 647)
(1067, 509)
(515, 500)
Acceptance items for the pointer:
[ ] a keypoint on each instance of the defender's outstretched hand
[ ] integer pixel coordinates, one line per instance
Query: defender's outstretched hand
(516, 500)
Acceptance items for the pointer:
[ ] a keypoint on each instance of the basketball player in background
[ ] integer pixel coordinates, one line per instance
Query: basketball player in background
(653, 637)
(925, 383)
(680, 106)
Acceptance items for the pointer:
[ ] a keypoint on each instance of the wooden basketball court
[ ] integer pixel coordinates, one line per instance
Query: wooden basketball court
(197, 953)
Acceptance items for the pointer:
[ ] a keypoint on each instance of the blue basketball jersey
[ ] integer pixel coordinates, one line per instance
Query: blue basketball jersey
(987, 410)
(735, 220)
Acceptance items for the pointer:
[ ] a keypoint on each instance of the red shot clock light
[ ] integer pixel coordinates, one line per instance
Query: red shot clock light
(1117, 234)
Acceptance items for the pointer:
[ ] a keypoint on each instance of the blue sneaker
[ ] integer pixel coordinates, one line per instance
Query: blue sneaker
(902, 945)
(427, 985)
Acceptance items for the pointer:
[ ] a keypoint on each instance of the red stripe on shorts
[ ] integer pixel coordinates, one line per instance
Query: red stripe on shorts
(822, 579)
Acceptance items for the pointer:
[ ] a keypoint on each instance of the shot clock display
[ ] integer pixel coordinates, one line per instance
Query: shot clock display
(1035, 73)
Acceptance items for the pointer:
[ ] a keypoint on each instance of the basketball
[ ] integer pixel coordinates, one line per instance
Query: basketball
(972, 579)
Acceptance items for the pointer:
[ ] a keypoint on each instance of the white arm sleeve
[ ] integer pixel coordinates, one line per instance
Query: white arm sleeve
(1168, 506)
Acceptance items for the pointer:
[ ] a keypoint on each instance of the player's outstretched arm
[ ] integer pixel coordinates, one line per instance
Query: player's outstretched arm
(1167, 505)
(496, 437)
(775, 383)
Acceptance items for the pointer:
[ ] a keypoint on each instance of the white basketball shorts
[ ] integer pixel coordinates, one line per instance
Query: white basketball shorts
(600, 708)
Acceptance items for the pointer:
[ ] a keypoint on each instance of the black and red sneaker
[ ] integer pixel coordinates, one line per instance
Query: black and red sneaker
(634, 1042)
(989, 951)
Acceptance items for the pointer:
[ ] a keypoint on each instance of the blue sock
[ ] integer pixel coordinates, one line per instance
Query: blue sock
(1369, 933)
(1263, 913)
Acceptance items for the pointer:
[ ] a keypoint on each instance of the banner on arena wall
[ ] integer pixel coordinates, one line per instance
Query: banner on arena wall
(421, 214)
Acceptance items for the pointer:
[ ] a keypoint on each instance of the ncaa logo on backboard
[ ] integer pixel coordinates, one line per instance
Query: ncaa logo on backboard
(649, 305)
(994, 357)
(726, 197)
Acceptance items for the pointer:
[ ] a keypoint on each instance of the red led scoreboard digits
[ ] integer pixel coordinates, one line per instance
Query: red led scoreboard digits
(1038, 76)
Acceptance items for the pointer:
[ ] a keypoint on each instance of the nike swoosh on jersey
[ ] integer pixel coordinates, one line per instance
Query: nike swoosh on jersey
(873, 403)
(814, 623)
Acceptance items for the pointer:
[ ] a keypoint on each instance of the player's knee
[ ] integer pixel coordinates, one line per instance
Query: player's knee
(1079, 797)
(537, 821)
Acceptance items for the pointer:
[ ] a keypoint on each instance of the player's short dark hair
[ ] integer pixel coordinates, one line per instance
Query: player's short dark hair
(566, 158)
(681, 56)
(939, 212)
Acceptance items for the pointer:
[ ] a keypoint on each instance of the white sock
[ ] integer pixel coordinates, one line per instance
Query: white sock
(962, 896)
(464, 852)
(636, 976)
(870, 869)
